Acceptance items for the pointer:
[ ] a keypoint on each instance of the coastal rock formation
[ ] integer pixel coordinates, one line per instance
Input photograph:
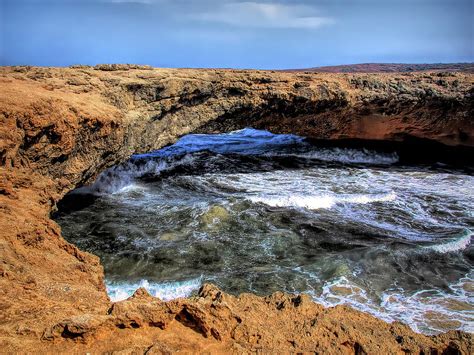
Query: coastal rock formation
(393, 68)
(60, 127)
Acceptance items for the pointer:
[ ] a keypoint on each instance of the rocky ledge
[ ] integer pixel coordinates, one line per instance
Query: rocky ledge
(60, 127)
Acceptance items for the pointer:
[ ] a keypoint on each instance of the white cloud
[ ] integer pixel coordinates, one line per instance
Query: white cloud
(265, 15)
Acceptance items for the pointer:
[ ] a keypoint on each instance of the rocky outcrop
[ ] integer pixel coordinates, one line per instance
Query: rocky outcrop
(393, 68)
(61, 127)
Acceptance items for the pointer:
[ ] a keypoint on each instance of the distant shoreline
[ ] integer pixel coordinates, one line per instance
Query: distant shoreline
(390, 68)
(343, 68)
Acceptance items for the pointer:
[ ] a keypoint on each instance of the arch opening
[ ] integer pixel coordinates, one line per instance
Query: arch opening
(253, 211)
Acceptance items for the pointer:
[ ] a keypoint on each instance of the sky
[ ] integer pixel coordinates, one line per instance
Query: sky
(261, 34)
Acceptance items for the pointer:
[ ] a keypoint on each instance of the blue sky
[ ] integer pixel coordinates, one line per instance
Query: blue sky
(231, 33)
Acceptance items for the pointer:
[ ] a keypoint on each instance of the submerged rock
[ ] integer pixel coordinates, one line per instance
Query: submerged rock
(215, 214)
(170, 236)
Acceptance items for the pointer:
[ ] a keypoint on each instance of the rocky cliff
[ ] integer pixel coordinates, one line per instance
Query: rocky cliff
(61, 126)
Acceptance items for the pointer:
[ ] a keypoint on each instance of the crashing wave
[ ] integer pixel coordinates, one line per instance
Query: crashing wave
(321, 202)
(165, 291)
(457, 244)
(118, 178)
(244, 141)
(346, 155)
(247, 141)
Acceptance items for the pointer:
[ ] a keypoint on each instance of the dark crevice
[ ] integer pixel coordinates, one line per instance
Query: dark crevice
(190, 321)
(66, 333)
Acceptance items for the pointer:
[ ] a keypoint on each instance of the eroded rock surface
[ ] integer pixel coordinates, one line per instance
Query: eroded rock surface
(60, 127)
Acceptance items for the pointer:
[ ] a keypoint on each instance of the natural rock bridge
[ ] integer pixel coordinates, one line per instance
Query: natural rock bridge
(61, 127)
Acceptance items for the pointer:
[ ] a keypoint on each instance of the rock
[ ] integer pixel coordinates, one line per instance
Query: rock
(170, 236)
(60, 127)
(114, 67)
(215, 214)
(75, 327)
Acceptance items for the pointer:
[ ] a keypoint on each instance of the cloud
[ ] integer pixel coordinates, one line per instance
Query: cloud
(265, 15)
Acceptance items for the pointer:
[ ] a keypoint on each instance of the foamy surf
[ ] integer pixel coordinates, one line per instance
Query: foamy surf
(165, 291)
(122, 178)
(426, 311)
(346, 155)
(321, 202)
(457, 244)
(243, 142)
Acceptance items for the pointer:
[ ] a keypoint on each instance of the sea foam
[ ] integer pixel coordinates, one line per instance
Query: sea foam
(346, 155)
(321, 202)
(119, 291)
(457, 244)
(247, 141)
(453, 309)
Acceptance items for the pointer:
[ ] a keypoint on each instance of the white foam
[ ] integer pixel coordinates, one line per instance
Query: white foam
(308, 202)
(346, 155)
(417, 310)
(320, 202)
(246, 141)
(165, 291)
(364, 199)
(122, 178)
(457, 244)
(429, 311)
(130, 188)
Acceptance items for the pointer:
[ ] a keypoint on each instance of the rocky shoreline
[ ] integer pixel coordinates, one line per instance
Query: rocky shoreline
(60, 127)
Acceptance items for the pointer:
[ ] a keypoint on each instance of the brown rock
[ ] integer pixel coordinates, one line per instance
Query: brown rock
(60, 127)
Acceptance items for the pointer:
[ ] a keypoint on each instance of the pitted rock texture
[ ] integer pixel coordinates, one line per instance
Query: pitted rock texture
(60, 127)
